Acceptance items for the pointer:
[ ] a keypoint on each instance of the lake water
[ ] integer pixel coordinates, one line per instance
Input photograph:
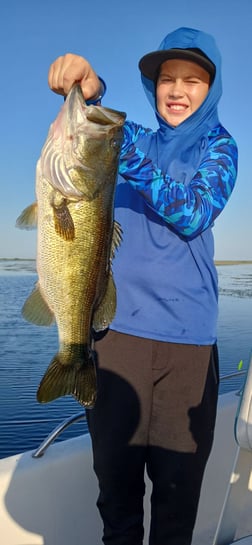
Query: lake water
(26, 351)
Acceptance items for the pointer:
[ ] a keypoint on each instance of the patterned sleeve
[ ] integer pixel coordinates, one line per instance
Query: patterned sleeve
(191, 208)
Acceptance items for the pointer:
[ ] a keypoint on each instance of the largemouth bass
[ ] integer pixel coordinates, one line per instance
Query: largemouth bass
(77, 238)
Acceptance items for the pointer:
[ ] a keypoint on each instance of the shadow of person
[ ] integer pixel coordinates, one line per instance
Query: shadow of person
(54, 497)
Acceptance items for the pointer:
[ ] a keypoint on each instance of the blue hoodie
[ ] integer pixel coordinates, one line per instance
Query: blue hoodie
(173, 183)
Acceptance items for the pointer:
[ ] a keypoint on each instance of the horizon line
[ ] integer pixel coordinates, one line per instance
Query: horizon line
(216, 261)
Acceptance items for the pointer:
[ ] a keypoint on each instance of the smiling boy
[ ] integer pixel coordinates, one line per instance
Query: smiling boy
(157, 366)
(181, 88)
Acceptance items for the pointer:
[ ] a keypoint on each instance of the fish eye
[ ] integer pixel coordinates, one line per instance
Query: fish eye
(115, 143)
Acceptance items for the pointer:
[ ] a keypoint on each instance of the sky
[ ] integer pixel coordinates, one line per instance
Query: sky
(113, 36)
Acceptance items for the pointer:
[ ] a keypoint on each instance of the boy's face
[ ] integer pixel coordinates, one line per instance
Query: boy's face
(181, 88)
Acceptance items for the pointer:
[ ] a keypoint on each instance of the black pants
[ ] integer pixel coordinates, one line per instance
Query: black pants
(155, 409)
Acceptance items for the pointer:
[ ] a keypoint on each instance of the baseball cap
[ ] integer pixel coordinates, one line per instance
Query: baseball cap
(149, 64)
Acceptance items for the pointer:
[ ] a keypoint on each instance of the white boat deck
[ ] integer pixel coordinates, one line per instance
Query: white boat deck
(51, 500)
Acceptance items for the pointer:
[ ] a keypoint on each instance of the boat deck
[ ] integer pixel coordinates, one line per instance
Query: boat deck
(51, 500)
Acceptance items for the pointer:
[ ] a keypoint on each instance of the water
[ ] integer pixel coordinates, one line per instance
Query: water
(26, 351)
(235, 321)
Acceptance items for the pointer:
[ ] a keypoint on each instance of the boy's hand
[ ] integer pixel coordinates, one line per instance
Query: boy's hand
(69, 69)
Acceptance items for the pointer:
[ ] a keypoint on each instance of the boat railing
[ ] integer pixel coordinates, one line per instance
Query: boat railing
(40, 451)
(232, 375)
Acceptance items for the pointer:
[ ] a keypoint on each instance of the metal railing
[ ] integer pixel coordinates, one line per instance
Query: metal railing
(236, 374)
(56, 432)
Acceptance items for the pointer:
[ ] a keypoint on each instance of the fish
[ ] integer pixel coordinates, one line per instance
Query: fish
(77, 239)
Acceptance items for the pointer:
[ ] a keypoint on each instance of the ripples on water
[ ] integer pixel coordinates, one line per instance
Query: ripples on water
(26, 351)
(235, 280)
(235, 321)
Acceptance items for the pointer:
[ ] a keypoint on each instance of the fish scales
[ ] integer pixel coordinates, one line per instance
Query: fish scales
(70, 271)
(77, 238)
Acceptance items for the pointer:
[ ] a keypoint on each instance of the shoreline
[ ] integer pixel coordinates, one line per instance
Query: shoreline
(233, 262)
(217, 262)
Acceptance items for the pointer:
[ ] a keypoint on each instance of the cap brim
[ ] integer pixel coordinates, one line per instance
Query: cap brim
(150, 63)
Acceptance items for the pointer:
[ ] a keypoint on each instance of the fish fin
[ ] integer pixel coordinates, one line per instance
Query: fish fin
(63, 221)
(116, 239)
(77, 379)
(105, 312)
(36, 309)
(28, 219)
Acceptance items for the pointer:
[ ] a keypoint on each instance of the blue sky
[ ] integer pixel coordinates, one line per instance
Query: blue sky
(113, 35)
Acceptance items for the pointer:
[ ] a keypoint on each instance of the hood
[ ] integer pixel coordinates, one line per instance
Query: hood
(206, 115)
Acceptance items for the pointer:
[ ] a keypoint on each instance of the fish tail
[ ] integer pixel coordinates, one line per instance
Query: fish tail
(77, 378)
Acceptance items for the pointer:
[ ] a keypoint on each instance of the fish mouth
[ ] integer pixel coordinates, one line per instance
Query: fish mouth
(99, 115)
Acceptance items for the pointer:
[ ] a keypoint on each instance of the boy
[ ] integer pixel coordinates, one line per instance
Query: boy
(157, 366)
